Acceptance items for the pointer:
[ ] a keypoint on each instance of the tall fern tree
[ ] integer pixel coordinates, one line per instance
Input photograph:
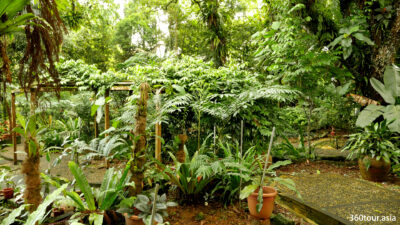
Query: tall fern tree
(44, 34)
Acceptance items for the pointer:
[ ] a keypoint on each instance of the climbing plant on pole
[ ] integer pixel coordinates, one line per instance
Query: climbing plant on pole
(139, 145)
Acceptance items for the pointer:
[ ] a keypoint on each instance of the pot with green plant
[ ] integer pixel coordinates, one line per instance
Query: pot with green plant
(375, 150)
(146, 209)
(261, 198)
(5, 178)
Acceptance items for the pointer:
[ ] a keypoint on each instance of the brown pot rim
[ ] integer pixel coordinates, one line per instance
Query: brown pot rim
(271, 192)
(7, 189)
(133, 217)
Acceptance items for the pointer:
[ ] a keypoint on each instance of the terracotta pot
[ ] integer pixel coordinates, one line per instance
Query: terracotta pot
(8, 193)
(133, 220)
(377, 171)
(268, 203)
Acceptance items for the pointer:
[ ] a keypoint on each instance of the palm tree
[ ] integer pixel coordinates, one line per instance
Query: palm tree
(44, 33)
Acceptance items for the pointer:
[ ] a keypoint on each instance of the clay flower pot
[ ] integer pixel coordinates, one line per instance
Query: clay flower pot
(133, 220)
(268, 203)
(377, 171)
(8, 193)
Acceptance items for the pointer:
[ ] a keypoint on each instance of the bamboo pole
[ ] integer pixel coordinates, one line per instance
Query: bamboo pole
(12, 126)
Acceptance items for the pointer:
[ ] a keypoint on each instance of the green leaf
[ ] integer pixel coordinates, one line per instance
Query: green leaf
(392, 113)
(369, 114)
(384, 91)
(246, 192)
(14, 214)
(77, 199)
(37, 216)
(363, 38)
(336, 41)
(19, 130)
(83, 184)
(347, 52)
(275, 25)
(346, 42)
(180, 89)
(392, 80)
(94, 109)
(96, 219)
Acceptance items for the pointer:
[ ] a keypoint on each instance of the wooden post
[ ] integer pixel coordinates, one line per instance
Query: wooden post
(12, 126)
(158, 141)
(158, 135)
(107, 111)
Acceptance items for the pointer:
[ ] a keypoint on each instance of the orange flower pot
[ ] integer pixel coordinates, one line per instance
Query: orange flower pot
(268, 203)
(133, 220)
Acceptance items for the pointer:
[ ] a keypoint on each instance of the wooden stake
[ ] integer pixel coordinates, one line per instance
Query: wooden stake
(12, 126)
(158, 141)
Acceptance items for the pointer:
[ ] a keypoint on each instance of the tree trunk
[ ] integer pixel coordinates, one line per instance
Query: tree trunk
(139, 146)
(385, 54)
(30, 167)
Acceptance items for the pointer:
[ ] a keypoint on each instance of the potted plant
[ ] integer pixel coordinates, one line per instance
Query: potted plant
(374, 149)
(261, 198)
(144, 207)
(8, 190)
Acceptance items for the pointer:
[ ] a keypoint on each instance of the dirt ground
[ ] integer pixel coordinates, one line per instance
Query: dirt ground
(216, 213)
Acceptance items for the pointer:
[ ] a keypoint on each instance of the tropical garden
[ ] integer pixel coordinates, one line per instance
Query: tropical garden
(199, 112)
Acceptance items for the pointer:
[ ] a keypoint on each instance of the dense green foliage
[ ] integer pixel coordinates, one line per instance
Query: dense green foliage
(222, 74)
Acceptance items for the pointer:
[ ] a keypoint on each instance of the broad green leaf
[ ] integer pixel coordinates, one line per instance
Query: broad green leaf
(369, 114)
(21, 121)
(37, 216)
(13, 215)
(383, 90)
(19, 130)
(248, 190)
(12, 7)
(346, 42)
(392, 80)
(336, 41)
(83, 184)
(94, 109)
(347, 52)
(363, 38)
(392, 113)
